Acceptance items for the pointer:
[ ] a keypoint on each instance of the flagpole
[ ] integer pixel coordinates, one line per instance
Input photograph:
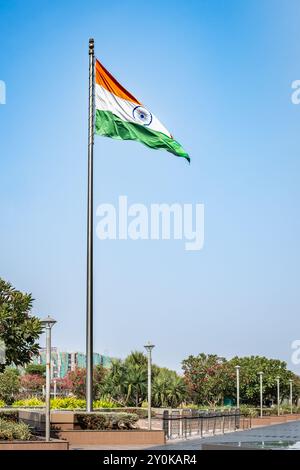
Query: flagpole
(89, 283)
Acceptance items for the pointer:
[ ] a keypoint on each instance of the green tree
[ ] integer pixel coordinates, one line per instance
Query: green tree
(136, 358)
(168, 389)
(36, 369)
(9, 385)
(135, 381)
(19, 331)
(249, 379)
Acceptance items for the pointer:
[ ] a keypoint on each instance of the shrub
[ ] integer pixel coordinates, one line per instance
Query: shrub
(10, 415)
(103, 420)
(142, 413)
(32, 402)
(10, 431)
(105, 404)
(248, 411)
(67, 403)
(192, 406)
(9, 385)
(36, 369)
(2, 403)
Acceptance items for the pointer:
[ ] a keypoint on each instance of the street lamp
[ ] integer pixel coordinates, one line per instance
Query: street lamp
(237, 368)
(261, 392)
(278, 395)
(149, 348)
(48, 323)
(291, 395)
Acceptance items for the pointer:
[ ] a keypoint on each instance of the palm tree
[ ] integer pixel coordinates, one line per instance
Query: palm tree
(177, 392)
(168, 389)
(160, 390)
(136, 358)
(135, 380)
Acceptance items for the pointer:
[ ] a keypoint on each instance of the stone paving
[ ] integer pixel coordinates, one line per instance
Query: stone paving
(277, 432)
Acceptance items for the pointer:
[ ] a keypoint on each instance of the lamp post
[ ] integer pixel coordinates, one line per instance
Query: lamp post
(278, 395)
(237, 368)
(291, 395)
(149, 348)
(261, 392)
(48, 323)
(54, 388)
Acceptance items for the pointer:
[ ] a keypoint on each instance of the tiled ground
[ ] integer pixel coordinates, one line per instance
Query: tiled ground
(279, 432)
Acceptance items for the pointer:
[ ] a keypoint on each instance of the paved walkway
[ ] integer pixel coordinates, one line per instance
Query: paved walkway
(277, 432)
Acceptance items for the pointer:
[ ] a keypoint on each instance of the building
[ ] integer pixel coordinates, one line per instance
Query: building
(64, 362)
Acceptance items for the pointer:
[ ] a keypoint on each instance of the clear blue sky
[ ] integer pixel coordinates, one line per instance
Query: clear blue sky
(218, 74)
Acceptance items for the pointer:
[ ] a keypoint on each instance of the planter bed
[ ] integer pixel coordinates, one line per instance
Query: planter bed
(35, 444)
(115, 437)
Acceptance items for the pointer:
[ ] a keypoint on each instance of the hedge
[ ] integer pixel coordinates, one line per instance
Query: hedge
(141, 412)
(104, 420)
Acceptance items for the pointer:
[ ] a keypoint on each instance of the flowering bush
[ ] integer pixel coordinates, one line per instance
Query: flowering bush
(32, 383)
(75, 381)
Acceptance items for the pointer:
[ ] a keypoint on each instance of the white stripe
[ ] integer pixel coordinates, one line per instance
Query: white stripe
(106, 101)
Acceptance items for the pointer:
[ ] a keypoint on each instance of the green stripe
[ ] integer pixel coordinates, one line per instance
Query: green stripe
(110, 125)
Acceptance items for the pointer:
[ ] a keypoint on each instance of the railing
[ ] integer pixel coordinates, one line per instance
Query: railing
(184, 423)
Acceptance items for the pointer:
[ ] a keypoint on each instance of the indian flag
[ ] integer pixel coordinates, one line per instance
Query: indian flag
(121, 116)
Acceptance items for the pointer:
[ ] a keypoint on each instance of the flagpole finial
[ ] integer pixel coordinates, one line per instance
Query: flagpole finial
(91, 46)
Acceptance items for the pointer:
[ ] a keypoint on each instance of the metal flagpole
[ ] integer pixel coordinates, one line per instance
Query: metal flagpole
(89, 283)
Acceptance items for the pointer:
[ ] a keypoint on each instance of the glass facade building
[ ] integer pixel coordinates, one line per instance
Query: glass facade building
(63, 362)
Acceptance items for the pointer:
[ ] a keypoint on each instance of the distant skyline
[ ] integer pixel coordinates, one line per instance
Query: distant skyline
(219, 75)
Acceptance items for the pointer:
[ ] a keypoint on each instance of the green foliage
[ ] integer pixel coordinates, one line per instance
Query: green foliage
(36, 369)
(168, 389)
(126, 383)
(18, 329)
(190, 406)
(31, 402)
(68, 403)
(249, 379)
(141, 412)
(102, 421)
(104, 404)
(10, 431)
(249, 411)
(2, 403)
(9, 385)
